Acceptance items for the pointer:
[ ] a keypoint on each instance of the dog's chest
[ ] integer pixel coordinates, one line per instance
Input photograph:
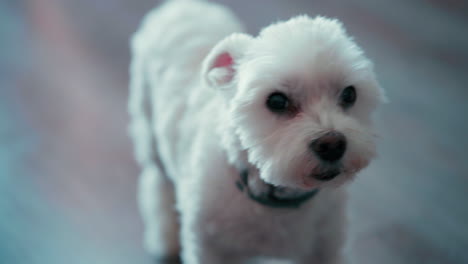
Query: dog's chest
(238, 223)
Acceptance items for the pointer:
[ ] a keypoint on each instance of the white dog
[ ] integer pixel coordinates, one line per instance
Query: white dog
(245, 141)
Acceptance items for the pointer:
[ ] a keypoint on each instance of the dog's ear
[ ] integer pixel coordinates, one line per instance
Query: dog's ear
(220, 65)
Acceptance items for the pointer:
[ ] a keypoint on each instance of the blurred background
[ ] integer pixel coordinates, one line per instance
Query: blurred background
(68, 179)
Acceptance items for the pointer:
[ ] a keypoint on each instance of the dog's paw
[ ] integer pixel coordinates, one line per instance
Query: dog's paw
(167, 260)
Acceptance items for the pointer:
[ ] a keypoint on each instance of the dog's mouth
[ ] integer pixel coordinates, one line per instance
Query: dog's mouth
(326, 175)
(322, 174)
(270, 195)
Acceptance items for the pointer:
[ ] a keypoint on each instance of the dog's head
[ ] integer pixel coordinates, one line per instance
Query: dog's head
(299, 100)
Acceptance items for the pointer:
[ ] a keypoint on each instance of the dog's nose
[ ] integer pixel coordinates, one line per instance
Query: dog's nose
(329, 147)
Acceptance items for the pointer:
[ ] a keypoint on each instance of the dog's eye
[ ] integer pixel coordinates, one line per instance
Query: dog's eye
(348, 97)
(277, 102)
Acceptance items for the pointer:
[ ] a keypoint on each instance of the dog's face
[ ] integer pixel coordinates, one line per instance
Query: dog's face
(300, 98)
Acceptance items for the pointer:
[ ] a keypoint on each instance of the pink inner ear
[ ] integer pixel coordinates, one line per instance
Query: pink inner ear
(223, 60)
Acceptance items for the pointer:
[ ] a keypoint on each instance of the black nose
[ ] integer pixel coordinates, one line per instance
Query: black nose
(329, 147)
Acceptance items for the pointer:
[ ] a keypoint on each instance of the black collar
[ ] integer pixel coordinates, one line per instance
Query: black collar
(268, 198)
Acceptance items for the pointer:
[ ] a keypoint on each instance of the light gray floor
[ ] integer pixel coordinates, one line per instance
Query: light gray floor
(67, 178)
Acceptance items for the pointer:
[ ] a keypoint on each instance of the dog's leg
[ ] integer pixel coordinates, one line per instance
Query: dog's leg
(327, 251)
(322, 259)
(157, 206)
(156, 192)
(329, 243)
(207, 255)
(196, 250)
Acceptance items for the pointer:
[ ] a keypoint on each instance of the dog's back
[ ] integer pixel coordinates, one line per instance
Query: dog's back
(167, 52)
(181, 32)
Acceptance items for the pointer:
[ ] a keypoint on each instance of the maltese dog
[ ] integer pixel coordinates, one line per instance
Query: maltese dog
(246, 142)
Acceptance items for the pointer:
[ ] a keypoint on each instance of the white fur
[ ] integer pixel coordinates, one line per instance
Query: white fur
(197, 122)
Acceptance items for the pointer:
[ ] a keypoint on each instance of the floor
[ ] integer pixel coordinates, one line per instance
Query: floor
(68, 179)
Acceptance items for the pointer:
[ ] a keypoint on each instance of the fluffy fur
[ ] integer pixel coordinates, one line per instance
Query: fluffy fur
(199, 118)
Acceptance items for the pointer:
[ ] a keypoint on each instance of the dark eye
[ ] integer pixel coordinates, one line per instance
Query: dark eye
(348, 97)
(277, 102)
